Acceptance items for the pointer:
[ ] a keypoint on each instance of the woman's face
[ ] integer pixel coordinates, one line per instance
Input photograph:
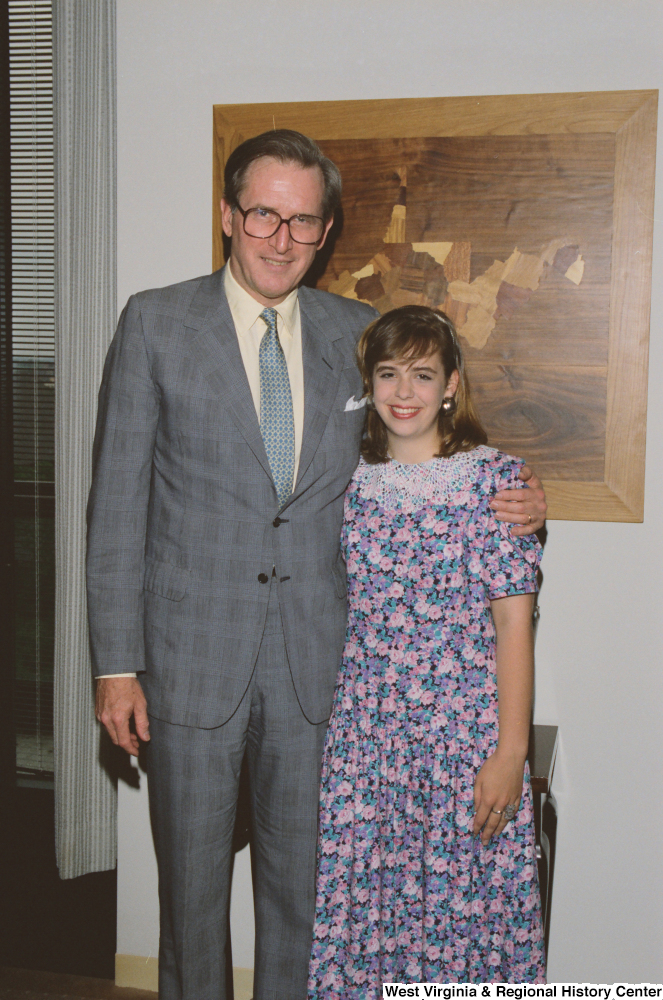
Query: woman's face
(408, 395)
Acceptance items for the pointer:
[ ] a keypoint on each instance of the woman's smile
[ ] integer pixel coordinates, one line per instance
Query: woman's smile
(408, 395)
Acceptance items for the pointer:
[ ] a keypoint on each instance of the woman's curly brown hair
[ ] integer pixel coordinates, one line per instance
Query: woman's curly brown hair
(411, 333)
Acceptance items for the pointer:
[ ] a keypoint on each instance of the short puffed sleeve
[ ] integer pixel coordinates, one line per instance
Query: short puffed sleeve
(509, 562)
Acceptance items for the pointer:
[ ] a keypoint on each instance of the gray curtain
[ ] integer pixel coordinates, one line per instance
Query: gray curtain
(85, 314)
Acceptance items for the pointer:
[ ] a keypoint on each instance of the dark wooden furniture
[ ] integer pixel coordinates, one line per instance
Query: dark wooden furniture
(541, 756)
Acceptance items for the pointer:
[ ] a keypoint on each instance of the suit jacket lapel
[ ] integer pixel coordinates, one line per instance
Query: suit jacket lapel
(322, 371)
(214, 344)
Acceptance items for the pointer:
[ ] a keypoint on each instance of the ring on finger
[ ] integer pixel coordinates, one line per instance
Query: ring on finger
(530, 518)
(510, 811)
(498, 812)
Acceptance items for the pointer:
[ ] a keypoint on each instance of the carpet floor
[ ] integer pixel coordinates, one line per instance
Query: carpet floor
(22, 984)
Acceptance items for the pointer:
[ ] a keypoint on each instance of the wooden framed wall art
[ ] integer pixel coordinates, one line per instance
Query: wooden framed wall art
(529, 220)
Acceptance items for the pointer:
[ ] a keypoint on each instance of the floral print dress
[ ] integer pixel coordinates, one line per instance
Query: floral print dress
(405, 892)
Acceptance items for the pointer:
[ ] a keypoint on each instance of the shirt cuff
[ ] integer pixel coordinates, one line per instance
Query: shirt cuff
(101, 676)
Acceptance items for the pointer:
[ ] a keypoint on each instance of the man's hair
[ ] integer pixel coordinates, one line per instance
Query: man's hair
(409, 334)
(287, 146)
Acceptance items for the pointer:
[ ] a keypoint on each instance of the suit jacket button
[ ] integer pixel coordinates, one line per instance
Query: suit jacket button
(263, 578)
(276, 522)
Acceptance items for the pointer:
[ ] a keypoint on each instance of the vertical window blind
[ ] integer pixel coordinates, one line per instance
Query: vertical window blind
(32, 286)
(7, 738)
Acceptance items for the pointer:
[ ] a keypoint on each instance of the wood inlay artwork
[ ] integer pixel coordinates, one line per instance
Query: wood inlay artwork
(527, 219)
(438, 275)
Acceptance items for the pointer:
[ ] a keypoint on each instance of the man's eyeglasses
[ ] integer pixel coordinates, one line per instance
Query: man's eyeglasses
(263, 223)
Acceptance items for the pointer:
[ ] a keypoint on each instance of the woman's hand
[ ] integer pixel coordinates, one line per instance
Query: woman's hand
(499, 783)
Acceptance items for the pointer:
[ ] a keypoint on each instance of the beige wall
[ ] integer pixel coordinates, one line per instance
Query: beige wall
(599, 659)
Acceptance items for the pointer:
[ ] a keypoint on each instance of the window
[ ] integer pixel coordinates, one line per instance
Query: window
(33, 381)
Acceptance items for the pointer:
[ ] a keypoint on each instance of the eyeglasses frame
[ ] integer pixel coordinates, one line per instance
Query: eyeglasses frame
(245, 212)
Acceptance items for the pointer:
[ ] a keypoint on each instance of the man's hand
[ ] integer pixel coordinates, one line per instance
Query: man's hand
(118, 699)
(525, 509)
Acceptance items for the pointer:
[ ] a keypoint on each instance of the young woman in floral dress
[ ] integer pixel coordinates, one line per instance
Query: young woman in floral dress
(426, 859)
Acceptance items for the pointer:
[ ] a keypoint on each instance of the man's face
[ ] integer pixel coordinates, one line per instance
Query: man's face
(269, 269)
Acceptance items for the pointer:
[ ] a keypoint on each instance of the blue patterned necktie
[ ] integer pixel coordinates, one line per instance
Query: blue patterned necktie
(277, 423)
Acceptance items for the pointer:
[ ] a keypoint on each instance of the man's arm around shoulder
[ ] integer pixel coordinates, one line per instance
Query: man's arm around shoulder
(524, 508)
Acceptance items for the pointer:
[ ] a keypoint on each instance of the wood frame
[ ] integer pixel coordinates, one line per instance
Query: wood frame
(631, 116)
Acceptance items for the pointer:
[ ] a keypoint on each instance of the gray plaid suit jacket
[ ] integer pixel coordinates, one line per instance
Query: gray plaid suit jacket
(182, 518)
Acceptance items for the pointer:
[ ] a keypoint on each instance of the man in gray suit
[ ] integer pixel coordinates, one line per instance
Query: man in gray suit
(228, 430)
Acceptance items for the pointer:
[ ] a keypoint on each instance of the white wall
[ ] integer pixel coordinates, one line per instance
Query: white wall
(599, 661)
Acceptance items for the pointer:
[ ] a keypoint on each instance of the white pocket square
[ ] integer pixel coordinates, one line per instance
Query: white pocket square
(355, 404)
